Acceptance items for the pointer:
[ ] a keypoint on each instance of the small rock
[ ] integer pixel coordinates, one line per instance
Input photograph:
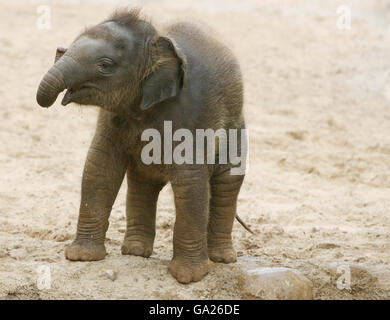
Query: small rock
(271, 283)
(110, 274)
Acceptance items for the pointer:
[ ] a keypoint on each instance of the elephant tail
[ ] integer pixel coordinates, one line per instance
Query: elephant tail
(243, 224)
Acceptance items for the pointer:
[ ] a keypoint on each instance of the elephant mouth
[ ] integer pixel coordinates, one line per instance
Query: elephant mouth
(74, 93)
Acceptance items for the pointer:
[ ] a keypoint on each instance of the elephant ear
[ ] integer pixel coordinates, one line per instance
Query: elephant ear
(167, 76)
(59, 53)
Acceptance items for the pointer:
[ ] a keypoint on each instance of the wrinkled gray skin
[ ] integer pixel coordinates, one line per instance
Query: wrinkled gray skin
(139, 79)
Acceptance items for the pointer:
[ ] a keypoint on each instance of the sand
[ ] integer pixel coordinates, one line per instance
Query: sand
(318, 187)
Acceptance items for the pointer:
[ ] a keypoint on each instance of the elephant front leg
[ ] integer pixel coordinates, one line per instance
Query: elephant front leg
(140, 216)
(103, 174)
(190, 260)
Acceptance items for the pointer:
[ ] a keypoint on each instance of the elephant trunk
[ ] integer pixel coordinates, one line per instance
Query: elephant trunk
(55, 81)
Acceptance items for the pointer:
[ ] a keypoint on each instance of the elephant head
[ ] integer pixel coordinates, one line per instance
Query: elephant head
(120, 63)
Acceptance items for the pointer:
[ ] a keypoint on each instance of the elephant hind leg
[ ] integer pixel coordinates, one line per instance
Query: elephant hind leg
(224, 189)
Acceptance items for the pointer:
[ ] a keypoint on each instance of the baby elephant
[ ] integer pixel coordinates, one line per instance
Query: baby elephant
(177, 83)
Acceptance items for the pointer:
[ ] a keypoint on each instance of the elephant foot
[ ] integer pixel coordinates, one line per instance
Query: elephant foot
(85, 250)
(137, 248)
(186, 271)
(222, 253)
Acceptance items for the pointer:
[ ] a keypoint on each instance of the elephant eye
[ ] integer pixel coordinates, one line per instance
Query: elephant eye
(105, 65)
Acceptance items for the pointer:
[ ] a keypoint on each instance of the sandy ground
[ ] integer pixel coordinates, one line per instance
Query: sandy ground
(318, 189)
